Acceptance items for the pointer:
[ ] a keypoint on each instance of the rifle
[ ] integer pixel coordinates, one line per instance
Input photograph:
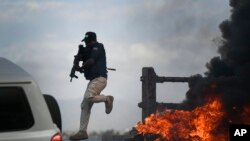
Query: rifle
(77, 58)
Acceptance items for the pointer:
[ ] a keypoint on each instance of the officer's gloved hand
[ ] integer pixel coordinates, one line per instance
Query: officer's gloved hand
(81, 69)
(77, 68)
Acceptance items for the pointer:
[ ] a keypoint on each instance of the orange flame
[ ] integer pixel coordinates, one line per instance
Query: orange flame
(199, 124)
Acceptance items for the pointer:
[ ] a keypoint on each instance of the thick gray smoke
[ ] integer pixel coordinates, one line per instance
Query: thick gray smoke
(228, 75)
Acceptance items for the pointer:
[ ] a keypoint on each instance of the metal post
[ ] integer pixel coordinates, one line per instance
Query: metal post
(148, 103)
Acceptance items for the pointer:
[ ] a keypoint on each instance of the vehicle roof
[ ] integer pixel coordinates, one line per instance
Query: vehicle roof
(12, 73)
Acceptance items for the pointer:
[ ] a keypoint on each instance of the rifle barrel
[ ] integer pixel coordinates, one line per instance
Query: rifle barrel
(111, 69)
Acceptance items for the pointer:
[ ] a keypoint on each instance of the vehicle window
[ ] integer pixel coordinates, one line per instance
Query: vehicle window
(15, 112)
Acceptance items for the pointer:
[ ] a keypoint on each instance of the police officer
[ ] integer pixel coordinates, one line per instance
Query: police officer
(95, 70)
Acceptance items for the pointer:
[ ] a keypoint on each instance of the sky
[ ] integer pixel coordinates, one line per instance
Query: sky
(175, 37)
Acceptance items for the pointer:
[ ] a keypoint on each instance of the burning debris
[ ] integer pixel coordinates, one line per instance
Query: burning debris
(221, 98)
(202, 123)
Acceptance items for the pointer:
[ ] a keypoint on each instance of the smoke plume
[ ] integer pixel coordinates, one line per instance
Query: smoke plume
(228, 75)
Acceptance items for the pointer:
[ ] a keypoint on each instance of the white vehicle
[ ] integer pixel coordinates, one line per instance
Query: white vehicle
(25, 114)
